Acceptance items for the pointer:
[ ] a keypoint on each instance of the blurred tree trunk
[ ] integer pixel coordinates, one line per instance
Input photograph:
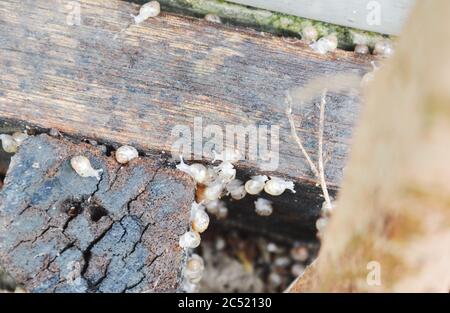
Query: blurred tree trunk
(391, 228)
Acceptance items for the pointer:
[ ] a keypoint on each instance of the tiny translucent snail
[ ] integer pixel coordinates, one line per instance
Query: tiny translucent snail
(325, 44)
(226, 172)
(309, 34)
(362, 49)
(276, 186)
(150, 9)
(263, 207)
(194, 269)
(212, 18)
(190, 240)
(125, 154)
(384, 48)
(256, 184)
(83, 167)
(236, 189)
(9, 144)
(213, 191)
(19, 137)
(197, 171)
(199, 218)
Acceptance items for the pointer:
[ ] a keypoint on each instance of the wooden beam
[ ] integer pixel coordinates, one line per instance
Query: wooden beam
(118, 83)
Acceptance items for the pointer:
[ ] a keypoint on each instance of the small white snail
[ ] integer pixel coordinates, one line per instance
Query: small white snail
(82, 167)
(275, 279)
(9, 145)
(213, 206)
(300, 253)
(297, 270)
(197, 171)
(256, 184)
(223, 212)
(194, 269)
(150, 9)
(236, 189)
(263, 207)
(309, 34)
(189, 240)
(225, 172)
(321, 223)
(212, 18)
(325, 44)
(327, 209)
(362, 49)
(213, 191)
(384, 48)
(199, 221)
(125, 154)
(19, 137)
(276, 186)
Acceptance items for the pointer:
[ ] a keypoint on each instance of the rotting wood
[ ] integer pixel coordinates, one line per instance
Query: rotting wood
(96, 81)
(64, 233)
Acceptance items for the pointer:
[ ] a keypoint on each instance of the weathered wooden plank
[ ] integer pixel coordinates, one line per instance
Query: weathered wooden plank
(134, 87)
(64, 233)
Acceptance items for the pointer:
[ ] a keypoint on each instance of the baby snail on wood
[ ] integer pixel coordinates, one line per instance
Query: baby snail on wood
(325, 44)
(83, 167)
(212, 18)
(362, 49)
(384, 48)
(125, 154)
(309, 34)
(236, 189)
(150, 9)
(225, 172)
(263, 207)
(190, 240)
(194, 269)
(197, 171)
(276, 186)
(256, 184)
(199, 218)
(213, 191)
(217, 208)
(10, 144)
(327, 209)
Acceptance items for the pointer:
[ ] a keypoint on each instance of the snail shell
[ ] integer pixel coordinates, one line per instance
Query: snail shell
(309, 34)
(9, 144)
(150, 9)
(263, 207)
(321, 223)
(197, 171)
(194, 269)
(200, 221)
(125, 154)
(83, 167)
(276, 186)
(225, 172)
(384, 48)
(236, 189)
(325, 44)
(213, 206)
(213, 191)
(19, 137)
(256, 184)
(190, 240)
(213, 18)
(362, 49)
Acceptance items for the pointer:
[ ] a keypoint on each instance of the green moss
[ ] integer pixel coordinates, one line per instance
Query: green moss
(278, 23)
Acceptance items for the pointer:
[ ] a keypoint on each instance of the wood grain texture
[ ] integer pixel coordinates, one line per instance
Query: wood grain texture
(134, 86)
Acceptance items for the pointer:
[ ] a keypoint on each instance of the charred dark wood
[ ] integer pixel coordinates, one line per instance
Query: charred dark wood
(64, 233)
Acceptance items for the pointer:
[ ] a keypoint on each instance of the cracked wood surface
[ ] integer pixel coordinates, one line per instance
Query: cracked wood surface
(64, 233)
(131, 84)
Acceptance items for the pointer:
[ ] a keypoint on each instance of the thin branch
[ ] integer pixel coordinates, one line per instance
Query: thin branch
(296, 137)
(323, 183)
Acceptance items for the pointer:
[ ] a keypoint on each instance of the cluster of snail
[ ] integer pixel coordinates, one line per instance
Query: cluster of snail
(329, 43)
(216, 182)
(10, 143)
